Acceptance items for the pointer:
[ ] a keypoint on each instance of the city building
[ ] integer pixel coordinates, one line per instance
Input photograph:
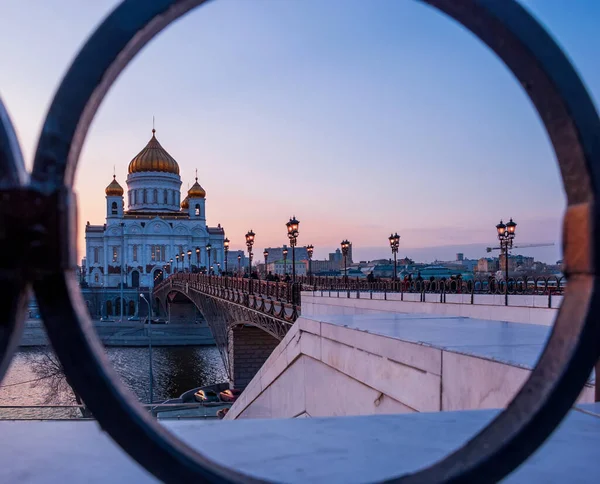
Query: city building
(235, 265)
(136, 244)
(281, 267)
(276, 253)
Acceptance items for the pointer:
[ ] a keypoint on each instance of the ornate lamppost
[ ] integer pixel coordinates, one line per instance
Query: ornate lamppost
(266, 254)
(171, 266)
(226, 251)
(309, 252)
(394, 244)
(292, 228)
(249, 243)
(182, 261)
(208, 249)
(177, 266)
(239, 264)
(219, 268)
(285, 253)
(198, 258)
(345, 249)
(189, 253)
(506, 235)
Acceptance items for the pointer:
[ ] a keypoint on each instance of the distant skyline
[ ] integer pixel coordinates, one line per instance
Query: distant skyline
(361, 118)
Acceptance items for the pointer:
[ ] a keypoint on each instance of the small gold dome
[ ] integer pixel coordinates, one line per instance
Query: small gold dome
(196, 191)
(185, 204)
(154, 158)
(114, 189)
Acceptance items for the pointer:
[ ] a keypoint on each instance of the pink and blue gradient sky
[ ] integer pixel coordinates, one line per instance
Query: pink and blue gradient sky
(360, 118)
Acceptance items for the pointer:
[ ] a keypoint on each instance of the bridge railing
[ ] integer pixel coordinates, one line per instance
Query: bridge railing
(280, 291)
(516, 285)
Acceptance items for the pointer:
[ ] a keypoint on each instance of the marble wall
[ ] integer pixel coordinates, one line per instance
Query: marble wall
(491, 308)
(323, 369)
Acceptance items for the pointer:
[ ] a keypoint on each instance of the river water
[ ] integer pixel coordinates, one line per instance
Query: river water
(29, 380)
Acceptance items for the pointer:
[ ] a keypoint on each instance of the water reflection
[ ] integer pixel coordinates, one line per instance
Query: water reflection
(176, 369)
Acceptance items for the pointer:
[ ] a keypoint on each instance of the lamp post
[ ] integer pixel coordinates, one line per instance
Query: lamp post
(309, 252)
(285, 253)
(149, 344)
(239, 265)
(249, 243)
(292, 228)
(394, 244)
(345, 249)
(208, 249)
(226, 251)
(177, 266)
(171, 266)
(506, 235)
(189, 253)
(266, 254)
(182, 256)
(219, 268)
(197, 258)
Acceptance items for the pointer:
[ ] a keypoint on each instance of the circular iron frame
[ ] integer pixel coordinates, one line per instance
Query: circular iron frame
(565, 364)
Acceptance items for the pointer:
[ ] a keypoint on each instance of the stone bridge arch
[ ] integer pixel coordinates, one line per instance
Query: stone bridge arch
(245, 337)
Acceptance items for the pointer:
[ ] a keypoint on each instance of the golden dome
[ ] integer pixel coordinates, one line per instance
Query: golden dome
(185, 204)
(114, 189)
(196, 191)
(154, 158)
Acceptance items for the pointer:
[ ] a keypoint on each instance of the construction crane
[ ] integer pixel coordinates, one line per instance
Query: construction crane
(524, 246)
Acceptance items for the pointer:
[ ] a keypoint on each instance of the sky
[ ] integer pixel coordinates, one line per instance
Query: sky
(359, 118)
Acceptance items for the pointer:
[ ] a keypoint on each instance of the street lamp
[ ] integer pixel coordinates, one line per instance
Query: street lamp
(198, 258)
(177, 266)
(292, 228)
(208, 249)
(239, 264)
(182, 261)
(394, 244)
(171, 266)
(249, 243)
(309, 252)
(226, 251)
(285, 253)
(219, 267)
(266, 254)
(189, 252)
(149, 343)
(345, 249)
(506, 235)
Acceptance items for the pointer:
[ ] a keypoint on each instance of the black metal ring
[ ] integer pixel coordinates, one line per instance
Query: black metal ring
(13, 285)
(572, 123)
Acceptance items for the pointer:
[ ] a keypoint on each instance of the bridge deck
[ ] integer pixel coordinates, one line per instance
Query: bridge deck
(517, 344)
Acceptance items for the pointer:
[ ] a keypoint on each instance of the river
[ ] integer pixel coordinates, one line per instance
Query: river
(176, 369)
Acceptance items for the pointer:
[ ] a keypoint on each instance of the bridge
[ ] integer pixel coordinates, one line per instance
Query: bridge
(248, 318)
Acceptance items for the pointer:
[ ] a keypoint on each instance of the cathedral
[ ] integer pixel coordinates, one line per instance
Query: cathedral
(157, 234)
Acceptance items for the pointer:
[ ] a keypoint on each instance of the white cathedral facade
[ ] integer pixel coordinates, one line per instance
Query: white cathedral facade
(143, 243)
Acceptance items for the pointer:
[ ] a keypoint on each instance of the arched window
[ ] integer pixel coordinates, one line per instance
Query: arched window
(197, 211)
(109, 308)
(96, 278)
(114, 208)
(135, 279)
(155, 196)
(131, 308)
(165, 197)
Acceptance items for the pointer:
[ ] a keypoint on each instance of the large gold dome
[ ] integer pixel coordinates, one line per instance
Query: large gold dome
(114, 189)
(185, 204)
(154, 158)
(196, 191)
